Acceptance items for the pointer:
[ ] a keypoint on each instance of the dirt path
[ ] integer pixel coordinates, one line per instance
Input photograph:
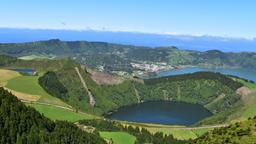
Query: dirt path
(58, 106)
(23, 96)
(41, 103)
(200, 127)
(137, 94)
(91, 98)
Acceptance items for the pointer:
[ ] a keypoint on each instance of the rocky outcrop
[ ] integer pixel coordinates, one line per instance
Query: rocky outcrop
(243, 91)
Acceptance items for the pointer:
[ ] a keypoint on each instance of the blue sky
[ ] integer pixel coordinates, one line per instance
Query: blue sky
(233, 18)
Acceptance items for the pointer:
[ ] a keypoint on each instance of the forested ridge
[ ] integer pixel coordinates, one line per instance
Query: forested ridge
(197, 76)
(24, 125)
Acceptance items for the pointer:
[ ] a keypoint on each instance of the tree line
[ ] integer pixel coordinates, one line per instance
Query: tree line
(142, 135)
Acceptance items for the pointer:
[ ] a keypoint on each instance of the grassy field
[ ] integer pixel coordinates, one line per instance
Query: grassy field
(29, 85)
(56, 113)
(250, 105)
(250, 111)
(24, 96)
(250, 101)
(179, 133)
(118, 137)
(169, 129)
(200, 132)
(33, 57)
(6, 75)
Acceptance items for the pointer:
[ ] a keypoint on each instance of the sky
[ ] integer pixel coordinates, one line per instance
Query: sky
(231, 18)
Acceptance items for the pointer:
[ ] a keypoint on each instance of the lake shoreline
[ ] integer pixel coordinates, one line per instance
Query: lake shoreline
(162, 109)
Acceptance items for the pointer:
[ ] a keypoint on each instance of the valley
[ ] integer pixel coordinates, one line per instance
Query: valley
(59, 94)
(128, 72)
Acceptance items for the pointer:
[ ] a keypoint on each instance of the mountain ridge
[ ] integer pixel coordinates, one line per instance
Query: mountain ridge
(201, 43)
(118, 58)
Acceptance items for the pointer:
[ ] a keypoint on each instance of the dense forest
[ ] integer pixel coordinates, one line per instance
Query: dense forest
(197, 76)
(24, 125)
(201, 88)
(118, 57)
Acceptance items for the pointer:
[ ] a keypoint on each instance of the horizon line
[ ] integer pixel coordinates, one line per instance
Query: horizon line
(135, 32)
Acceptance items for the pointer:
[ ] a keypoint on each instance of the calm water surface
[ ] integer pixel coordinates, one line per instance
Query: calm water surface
(26, 71)
(176, 113)
(243, 73)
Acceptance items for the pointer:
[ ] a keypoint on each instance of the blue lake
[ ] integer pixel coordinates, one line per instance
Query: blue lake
(243, 73)
(25, 71)
(175, 113)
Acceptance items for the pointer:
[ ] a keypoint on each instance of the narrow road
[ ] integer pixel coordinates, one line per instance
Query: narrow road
(41, 103)
(58, 106)
(201, 127)
(91, 98)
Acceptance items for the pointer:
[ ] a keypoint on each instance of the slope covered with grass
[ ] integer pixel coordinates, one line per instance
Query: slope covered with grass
(118, 137)
(29, 85)
(118, 131)
(241, 133)
(6, 75)
(57, 113)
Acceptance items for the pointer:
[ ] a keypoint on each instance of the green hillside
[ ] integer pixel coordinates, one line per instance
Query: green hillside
(118, 131)
(21, 124)
(57, 113)
(29, 85)
(118, 137)
(213, 90)
(238, 133)
(40, 65)
(60, 85)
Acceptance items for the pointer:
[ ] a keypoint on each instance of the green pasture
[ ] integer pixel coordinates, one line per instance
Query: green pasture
(118, 137)
(56, 113)
(29, 85)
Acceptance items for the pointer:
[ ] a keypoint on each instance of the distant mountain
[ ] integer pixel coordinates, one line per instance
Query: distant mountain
(200, 43)
(117, 57)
